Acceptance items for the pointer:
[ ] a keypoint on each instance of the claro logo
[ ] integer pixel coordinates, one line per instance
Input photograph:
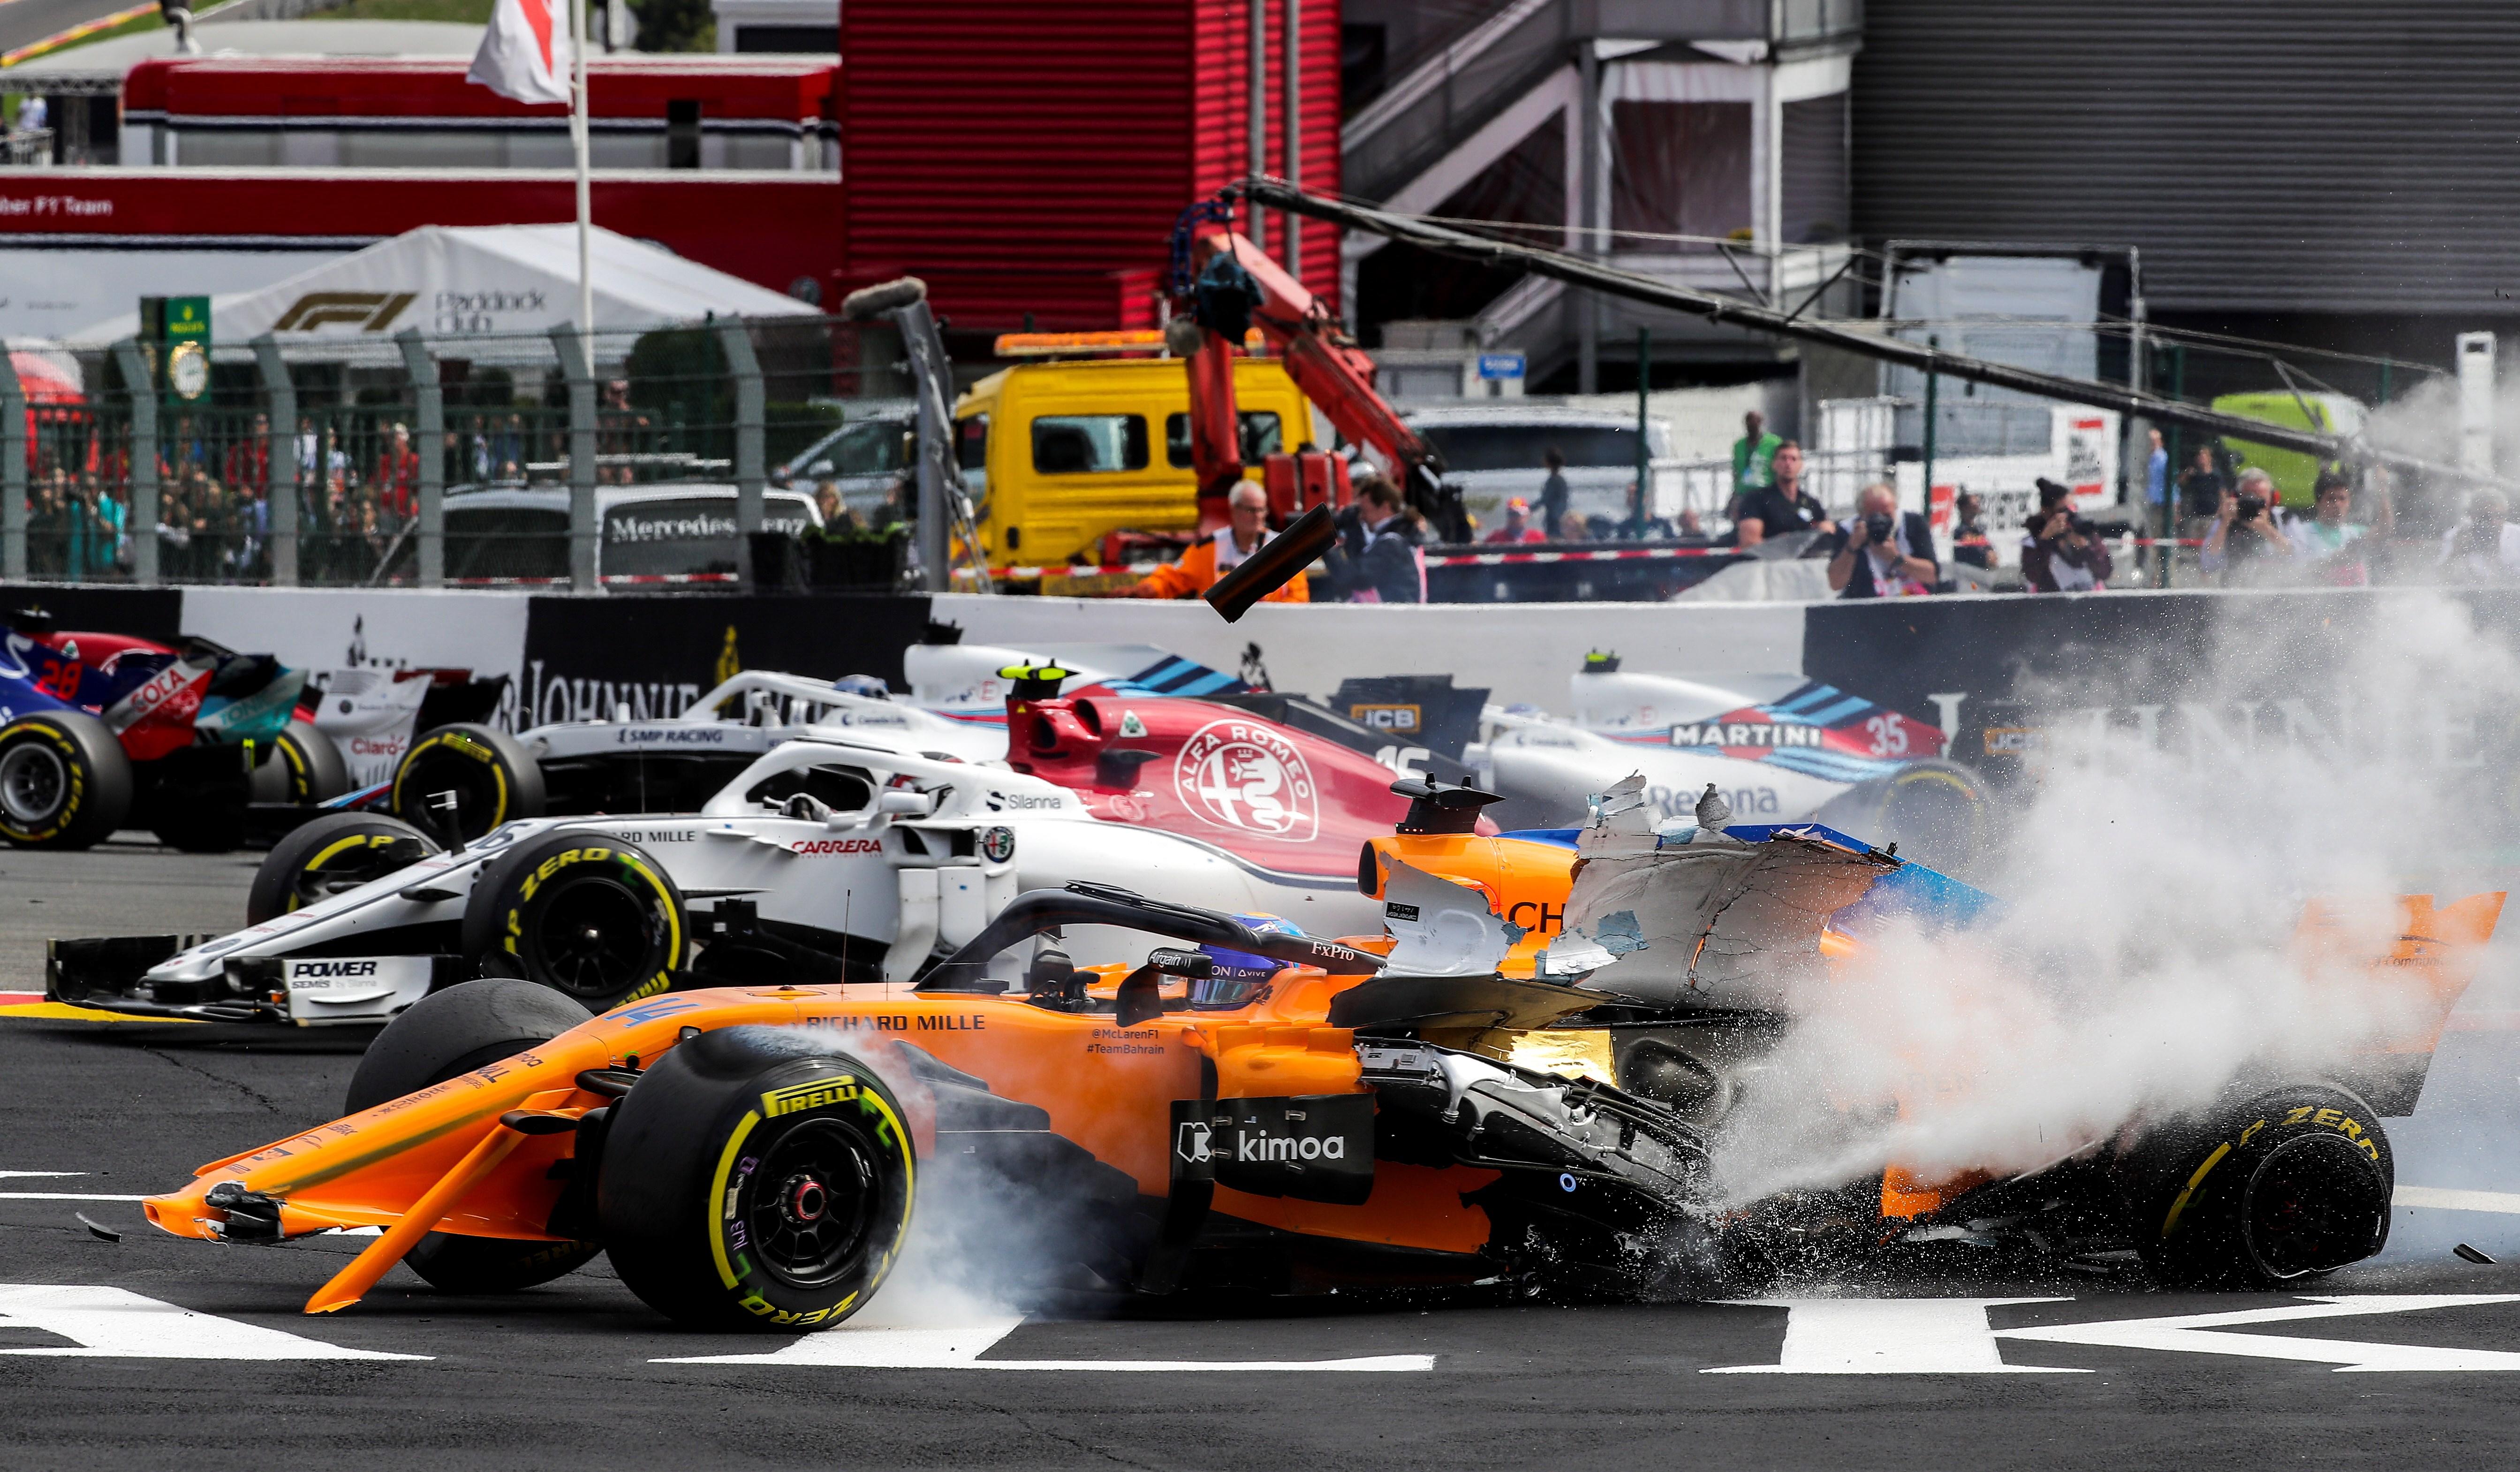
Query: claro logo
(368, 311)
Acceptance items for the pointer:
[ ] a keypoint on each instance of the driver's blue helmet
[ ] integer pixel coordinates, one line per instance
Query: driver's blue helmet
(1239, 977)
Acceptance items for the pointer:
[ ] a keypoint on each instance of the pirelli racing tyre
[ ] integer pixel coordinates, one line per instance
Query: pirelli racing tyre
(582, 913)
(1936, 811)
(64, 782)
(2280, 1187)
(335, 853)
(491, 776)
(753, 1179)
(303, 768)
(443, 1035)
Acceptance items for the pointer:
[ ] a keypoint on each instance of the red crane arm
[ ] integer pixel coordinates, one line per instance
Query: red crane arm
(1322, 360)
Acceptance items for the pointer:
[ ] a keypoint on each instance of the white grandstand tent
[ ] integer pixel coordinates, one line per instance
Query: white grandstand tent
(485, 293)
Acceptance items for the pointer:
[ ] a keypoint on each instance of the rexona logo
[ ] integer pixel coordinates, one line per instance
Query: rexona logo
(796, 1098)
(836, 845)
(368, 311)
(1240, 774)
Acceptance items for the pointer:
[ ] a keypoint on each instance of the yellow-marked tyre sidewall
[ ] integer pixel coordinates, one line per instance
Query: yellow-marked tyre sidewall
(738, 1177)
(330, 840)
(704, 1135)
(508, 778)
(98, 773)
(504, 906)
(2188, 1219)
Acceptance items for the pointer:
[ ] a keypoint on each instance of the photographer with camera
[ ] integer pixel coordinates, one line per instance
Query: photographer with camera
(1882, 552)
(2244, 529)
(2061, 552)
(2485, 547)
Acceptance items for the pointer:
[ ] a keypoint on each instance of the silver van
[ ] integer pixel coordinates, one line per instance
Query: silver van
(664, 532)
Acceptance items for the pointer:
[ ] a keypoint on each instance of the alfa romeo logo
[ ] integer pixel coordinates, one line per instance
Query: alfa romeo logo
(997, 844)
(1236, 774)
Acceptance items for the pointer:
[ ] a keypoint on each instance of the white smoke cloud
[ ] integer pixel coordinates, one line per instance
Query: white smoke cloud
(2145, 956)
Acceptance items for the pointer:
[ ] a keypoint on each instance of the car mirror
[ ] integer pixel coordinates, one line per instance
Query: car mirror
(903, 802)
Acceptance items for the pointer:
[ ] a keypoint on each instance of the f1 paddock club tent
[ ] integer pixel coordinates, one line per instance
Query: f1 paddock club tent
(486, 293)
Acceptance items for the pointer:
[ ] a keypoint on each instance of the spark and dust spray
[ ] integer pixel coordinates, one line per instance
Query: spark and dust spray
(2341, 749)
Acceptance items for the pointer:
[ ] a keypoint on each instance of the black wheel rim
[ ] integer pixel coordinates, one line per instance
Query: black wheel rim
(815, 1205)
(2314, 1204)
(591, 938)
(476, 788)
(352, 867)
(34, 782)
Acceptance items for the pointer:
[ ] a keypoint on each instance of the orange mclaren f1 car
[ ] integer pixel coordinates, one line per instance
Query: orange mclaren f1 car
(1479, 1095)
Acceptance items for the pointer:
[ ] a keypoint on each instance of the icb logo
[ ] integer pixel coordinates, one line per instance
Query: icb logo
(1236, 774)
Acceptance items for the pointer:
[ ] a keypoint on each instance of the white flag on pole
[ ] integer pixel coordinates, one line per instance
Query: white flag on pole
(524, 53)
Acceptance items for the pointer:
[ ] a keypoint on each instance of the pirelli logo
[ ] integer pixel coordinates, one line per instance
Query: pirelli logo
(796, 1098)
(368, 311)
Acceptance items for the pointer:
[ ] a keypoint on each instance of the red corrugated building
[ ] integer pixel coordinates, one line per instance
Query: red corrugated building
(1028, 158)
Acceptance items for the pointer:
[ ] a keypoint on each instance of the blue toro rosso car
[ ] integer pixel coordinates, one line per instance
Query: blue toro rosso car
(100, 731)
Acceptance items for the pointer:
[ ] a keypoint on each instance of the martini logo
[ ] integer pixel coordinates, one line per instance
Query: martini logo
(1779, 734)
(1239, 774)
(368, 311)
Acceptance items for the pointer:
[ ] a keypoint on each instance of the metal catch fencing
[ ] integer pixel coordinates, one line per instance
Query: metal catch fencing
(435, 460)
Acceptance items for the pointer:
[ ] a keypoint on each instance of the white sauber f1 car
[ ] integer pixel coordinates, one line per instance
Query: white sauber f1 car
(1780, 747)
(818, 863)
(672, 764)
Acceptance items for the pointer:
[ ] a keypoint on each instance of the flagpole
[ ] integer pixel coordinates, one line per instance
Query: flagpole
(585, 189)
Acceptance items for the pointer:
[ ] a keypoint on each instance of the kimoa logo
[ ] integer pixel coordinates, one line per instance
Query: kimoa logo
(368, 311)
(1252, 1145)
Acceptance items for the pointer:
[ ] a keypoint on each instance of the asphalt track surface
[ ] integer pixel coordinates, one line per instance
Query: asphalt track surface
(2093, 1372)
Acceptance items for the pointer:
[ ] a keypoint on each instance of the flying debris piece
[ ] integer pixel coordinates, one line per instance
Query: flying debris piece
(1713, 812)
(1442, 928)
(99, 1229)
(2472, 1255)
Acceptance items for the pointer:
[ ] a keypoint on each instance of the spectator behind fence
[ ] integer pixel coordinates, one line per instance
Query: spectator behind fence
(2156, 472)
(247, 462)
(1517, 526)
(396, 481)
(2243, 530)
(1552, 490)
(1882, 552)
(2484, 546)
(2330, 549)
(1204, 562)
(2061, 552)
(1969, 542)
(1780, 507)
(1378, 558)
(1754, 456)
(2200, 494)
